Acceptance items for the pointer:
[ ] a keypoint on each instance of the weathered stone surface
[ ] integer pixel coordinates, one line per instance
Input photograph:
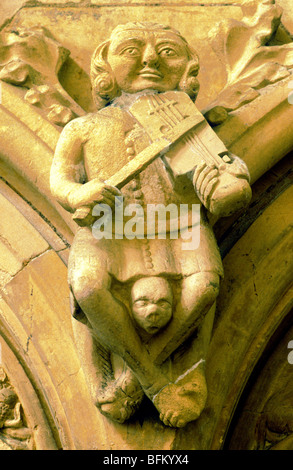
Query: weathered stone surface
(287, 14)
(19, 241)
(245, 77)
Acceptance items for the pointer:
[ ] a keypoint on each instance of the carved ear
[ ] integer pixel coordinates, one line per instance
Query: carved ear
(104, 85)
(189, 83)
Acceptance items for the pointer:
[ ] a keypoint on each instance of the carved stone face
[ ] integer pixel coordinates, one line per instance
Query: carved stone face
(7, 402)
(142, 59)
(152, 303)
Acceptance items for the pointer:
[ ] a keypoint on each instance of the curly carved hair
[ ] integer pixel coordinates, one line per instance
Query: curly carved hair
(104, 85)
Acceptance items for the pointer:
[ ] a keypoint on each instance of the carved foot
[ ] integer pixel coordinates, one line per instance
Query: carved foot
(180, 404)
(120, 400)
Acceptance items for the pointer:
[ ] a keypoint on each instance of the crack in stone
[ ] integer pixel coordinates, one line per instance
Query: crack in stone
(24, 264)
(27, 342)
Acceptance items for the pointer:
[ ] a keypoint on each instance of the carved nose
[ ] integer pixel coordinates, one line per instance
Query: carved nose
(153, 319)
(152, 312)
(149, 57)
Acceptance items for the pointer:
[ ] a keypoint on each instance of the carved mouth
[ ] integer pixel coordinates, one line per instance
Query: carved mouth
(149, 73)
(152, 329)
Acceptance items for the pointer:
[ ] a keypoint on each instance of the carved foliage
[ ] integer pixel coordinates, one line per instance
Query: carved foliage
(256, 52)
(32, 59)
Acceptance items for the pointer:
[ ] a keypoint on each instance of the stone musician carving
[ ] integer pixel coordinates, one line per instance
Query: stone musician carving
(140, 298)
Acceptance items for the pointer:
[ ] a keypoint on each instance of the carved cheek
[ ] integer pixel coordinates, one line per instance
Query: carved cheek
(173, 71)
(164, 312)
(176, 65)
(139, 312)
(126, 71)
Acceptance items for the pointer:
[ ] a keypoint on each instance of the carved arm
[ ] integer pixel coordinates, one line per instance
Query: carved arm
(66, 171)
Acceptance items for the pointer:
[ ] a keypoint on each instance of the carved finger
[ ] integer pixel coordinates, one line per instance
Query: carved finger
(112, 189)
(110, 201)
(209, 183)
(166, 421)
(109, 195)
(202, 176)
(17, 411)
(104, 200)
(163, 419)
(180, 423)
(198, 171)
(212, 174)
(209, 188)
(170, 418)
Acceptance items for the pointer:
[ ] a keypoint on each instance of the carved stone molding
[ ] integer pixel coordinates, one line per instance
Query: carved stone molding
(24, 425)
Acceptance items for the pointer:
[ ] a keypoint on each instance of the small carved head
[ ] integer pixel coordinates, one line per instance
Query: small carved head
(152, 301)
(8, 400)
(141, 56)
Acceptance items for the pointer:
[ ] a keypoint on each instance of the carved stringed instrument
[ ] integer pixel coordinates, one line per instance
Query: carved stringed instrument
(180, 134)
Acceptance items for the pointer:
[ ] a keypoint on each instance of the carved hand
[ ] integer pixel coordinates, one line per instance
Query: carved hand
(94, 192)
(88, 195)
(17, 421)
(100, 192)
(223, 188)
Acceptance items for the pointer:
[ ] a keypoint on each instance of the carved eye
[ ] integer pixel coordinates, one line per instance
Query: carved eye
(141, 303)
(167, 52)
(131, 51)
(163, 304)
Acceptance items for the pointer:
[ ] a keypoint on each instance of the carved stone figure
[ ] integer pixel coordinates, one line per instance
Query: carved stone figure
(275, 425)
(12, 429)
(147, 144)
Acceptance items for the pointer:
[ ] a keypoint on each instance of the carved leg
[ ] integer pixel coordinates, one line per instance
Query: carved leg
(190, 394)
(184, 400)
(117, 399)
(95, 358)
(113, 326)
(122, 397)
(198, 293)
